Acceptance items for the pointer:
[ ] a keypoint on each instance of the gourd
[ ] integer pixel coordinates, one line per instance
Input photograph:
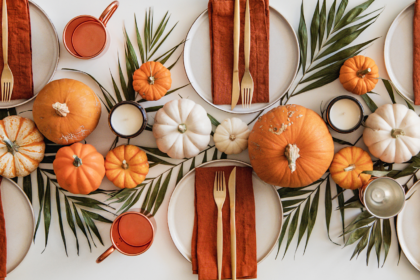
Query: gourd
(359, 74)
(231, 136)
(182, 129)
(79, 168)
(152, 80)
(347, 165)
(290, 146)
(66, 111)
(126, 166)
(22, 147)
(392, 133)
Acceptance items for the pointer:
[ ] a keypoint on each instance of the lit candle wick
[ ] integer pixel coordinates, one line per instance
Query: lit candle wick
(378, 195)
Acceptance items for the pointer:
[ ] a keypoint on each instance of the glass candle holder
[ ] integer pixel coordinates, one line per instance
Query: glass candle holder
(344, 114)
(127, 119)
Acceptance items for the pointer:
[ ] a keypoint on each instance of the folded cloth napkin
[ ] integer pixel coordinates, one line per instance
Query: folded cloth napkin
(3, 245)
(204, 240)
(20, 50)
(416, 53)
(221, 48)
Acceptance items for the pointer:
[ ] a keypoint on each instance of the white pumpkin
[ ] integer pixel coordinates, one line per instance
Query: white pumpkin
(392, 133)
(22, 147)
(182, 129)
(231, 136)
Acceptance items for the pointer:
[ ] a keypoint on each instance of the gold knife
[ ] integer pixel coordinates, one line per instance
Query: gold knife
(236, 38)
(232, 196)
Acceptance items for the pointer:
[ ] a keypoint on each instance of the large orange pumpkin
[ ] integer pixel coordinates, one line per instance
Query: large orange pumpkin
(290, 146)
(66, 111)
(359, 74)
(152, 80)
(126, 166)
(347, 165)
(79, 168)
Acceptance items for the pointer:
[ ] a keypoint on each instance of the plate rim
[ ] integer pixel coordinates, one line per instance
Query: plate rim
(56, 62)
(386, 51)
(33, 221)
(269, 104)
(227, 161)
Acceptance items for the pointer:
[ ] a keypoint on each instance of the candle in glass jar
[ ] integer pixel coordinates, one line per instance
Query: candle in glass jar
(345, 114)
(126, 119)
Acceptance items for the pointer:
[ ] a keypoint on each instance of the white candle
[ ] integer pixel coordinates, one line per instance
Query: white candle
(126, 119)
(345, 114)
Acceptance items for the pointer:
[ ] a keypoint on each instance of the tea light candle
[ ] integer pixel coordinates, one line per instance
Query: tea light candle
(127, 119)
(344, 114)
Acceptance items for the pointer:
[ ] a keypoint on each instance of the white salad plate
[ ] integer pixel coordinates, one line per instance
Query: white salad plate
(45, 52)
(20, 222)
(398, 52)
(284, 61)
(268, 211)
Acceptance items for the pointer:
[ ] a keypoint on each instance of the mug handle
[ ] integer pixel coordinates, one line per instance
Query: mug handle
(109, 11)
(105, 254)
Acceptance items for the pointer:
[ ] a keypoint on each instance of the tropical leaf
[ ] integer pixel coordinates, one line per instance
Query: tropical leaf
(340, 11)
(314, 30)
(322, 23)
(351, 16)
(292, 228)
(331, 16)
(303, 39)
(369, 102)
(60, 219)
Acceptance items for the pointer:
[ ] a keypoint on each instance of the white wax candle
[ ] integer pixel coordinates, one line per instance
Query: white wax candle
(345, 114)
(126, 119)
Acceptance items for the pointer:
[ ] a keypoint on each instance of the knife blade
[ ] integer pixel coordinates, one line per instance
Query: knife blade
(236, 38)
(232, 197)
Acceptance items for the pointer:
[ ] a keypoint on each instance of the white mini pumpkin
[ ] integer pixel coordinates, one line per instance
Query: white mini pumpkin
(231, 136)
(182, 129)
(22, 147)
(392, 133)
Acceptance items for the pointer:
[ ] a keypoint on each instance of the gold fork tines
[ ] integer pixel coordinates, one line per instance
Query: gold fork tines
(247, 84)
(219, 193)
(6, 80)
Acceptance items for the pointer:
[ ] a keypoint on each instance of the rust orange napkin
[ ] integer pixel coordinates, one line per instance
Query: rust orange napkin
(3, 245)
(20, 50)
(416, 53)
(204, 240)
(221, 48)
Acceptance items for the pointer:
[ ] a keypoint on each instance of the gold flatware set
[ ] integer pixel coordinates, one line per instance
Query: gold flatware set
(6, 81)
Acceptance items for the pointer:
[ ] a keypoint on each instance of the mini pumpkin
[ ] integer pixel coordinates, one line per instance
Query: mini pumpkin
(152, 80)
(392, 133)
(290, 146)
(359, 74)
(231, 136)
(79, 168)
(22, 147)
(126, 166)
(182, 129)
(66, 111)
(347, 165)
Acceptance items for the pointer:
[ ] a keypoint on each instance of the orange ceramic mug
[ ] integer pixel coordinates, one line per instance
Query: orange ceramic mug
(86, 37)
(132, 234)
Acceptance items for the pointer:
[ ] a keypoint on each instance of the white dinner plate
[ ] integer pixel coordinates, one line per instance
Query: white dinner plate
(20, 222)
(45, 52)
(284, 61)
(268, 212)
(398, 52)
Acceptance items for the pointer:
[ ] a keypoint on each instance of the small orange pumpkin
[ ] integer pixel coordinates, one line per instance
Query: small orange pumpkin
(347, 165)
(152, 80)
(359, 74)
(126, 166)
(79, 168)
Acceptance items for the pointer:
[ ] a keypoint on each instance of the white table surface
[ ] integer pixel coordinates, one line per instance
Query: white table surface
(323, 260)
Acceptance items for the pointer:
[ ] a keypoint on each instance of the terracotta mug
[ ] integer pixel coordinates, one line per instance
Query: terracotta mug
(86, 37)
(132, 234)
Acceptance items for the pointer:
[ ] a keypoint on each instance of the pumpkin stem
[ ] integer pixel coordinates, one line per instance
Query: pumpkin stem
(124, 164)
(61, 109)
(362, 73)
(11, 146)
(232, 137)
(395, 133)
(77, 161)
(151, 80)
(351, 167)
(182, 128)
(292, 154)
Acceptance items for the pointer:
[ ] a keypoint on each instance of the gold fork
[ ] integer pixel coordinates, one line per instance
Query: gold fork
(6, 80)
(219, 193)
(247, 85)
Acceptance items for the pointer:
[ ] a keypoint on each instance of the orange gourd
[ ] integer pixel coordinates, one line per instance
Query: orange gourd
(347, 165)
(126, 166)
(79, 168)
(290, 146)
(152, 80)
(66, 111)
(359, 74)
